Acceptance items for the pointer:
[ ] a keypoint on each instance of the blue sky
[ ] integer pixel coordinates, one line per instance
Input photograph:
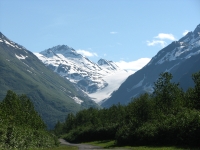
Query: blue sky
(129, 32)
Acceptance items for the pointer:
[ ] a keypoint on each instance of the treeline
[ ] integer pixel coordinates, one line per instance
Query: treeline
(168, 116)
(21, 127)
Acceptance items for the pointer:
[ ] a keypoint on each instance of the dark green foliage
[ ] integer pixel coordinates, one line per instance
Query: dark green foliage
(196, 92)
(58, 128)
(167, 96)
(169, 120)
(21, 111)
(92, 124)
(20, 125)
(169, 116)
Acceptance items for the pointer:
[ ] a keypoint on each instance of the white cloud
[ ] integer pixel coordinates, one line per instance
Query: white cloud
(86, 53)
(113, 32)
(160, 39)
(185, 32)
(163, 36)
(156, 42)
(133, 65)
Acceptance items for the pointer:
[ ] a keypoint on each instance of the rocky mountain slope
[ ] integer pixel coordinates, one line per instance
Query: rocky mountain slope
(53, 96)
(90, 77)
(181, 58)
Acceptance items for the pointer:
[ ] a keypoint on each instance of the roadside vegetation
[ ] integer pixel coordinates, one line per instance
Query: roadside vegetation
(20, 125)
(167, 117)
(57, 148)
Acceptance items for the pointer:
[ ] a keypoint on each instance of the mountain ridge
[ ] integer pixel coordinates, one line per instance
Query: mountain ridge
(54, 97)
(181, 58)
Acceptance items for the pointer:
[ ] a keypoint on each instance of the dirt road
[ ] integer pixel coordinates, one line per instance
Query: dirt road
(80, 146)
(85, 146)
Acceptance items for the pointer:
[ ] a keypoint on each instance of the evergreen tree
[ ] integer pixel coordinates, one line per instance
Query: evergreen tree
(196, 93)
(168, 96)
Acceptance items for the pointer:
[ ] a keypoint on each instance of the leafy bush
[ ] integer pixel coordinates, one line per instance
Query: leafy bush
(20, 125)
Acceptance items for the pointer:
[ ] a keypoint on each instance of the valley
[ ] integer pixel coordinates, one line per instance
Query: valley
(59, 92)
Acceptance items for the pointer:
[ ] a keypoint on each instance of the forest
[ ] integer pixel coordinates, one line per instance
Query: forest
(21, 127)
(168, 116)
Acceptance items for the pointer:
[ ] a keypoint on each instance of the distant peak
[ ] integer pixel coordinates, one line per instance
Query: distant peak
(102, 59)
(64, 50)
(58, 48)
(110, 65)
(63, 47)
(103, 62)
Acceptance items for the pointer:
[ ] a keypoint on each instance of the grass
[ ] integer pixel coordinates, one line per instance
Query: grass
(104, 144)
(156, 148)
(111, 145)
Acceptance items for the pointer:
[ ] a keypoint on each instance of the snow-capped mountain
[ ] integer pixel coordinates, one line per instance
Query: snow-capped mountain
(181, 58)
(108, 65)
(90, 77)
(53, 96)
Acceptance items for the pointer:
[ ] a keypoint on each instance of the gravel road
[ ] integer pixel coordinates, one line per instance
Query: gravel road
(80, 146)
(85, 146)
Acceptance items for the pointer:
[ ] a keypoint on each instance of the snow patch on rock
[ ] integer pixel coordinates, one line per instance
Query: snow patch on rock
(137, 85)
(21, 56)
